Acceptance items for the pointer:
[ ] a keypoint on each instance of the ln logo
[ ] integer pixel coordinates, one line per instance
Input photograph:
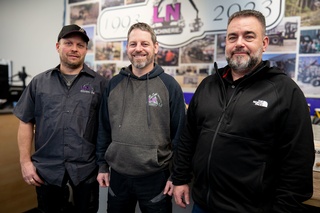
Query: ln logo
(172, 22)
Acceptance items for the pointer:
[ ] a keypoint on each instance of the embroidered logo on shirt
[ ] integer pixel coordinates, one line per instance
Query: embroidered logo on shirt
(87, 88)
(155, 100)
(261, 103)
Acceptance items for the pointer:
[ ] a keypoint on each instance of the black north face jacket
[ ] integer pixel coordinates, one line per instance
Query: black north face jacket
(250, 152)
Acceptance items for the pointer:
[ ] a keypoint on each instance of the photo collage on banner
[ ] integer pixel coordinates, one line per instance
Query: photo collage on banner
(191, 35)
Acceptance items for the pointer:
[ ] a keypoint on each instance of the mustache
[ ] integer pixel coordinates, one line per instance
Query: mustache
(73, 55)
(240, 50)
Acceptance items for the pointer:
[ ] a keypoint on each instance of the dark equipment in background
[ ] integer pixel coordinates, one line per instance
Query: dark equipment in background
(10, 93)
(16, 91)
(5, 78)
(22, 76)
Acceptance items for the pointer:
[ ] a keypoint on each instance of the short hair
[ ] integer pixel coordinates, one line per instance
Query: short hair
(248, 13)
(144, 27)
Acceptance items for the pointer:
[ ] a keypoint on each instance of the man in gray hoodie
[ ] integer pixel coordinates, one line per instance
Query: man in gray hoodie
(142, 113)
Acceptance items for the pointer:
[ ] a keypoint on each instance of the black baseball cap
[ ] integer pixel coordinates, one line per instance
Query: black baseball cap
(73, 28)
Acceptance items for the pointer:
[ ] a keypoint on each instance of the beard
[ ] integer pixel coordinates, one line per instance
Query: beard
(141, 63)
(71, 64)
(241, 64)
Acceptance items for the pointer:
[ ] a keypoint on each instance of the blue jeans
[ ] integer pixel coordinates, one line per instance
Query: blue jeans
(124, 192)
(197, 209)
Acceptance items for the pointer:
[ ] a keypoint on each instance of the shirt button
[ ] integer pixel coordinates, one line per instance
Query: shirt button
(233, 86)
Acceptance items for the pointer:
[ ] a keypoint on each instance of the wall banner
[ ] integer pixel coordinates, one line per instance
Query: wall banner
(192, 33)
(188, 19)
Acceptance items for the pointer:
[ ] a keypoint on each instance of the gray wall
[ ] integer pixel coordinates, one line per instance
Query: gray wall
(29, 31)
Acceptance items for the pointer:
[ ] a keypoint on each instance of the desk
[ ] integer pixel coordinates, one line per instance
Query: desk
(315, 200)
(16, 196)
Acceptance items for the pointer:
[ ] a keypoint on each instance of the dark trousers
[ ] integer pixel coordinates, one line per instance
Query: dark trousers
(55, 199)
(124, 192)
(197, 209)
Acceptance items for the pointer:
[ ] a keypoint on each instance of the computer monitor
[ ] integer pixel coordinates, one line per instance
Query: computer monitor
(5, 78)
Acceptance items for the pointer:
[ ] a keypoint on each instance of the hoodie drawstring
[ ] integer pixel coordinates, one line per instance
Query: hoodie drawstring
(124, 101)
(147, 103)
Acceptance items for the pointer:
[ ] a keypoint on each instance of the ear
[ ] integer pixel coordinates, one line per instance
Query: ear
(57, 46)
(265, 43)
(156, 48)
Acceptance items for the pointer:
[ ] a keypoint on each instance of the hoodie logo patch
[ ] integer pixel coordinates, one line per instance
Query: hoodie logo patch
(155, 100)
(261, 103)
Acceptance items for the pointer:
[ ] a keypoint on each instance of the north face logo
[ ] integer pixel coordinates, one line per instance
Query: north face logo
(261, 103)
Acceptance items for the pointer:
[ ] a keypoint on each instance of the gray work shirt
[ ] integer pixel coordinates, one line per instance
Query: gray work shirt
(65, 121)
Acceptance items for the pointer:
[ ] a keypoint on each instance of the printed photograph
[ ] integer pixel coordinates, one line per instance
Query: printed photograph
(111, 3)
(76, 1)
(285, 62)
(124, 51)
(308, 10)
(309, 41)
(134, 1)
(199, 51)
(309, 75)
(90, 32)
(89, 61)
(106, 70)
(221, 46)
(107, 50)
(285, 36)
(167, 57)
(84, 14)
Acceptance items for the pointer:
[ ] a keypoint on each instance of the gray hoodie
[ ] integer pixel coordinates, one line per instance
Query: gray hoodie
(140, 122)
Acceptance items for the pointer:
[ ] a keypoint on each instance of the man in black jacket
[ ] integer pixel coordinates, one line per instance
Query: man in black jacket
(248, 138)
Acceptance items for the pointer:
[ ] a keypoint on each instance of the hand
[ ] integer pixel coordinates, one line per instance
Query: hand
(30, 175)
(181, 195)
(103, 179)
(168, 189)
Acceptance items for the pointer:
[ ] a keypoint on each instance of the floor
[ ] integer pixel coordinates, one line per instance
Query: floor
(103, 203)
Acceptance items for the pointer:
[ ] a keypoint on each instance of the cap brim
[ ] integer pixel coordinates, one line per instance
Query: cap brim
(84, 36)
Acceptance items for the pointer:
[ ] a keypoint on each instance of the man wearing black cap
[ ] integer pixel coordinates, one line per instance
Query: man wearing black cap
(59, 109)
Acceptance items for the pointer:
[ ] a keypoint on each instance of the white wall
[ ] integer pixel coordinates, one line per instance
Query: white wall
(28, 34)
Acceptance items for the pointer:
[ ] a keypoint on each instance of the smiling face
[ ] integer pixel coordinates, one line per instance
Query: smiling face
(72, 51)
(141, 51)
(245, 43)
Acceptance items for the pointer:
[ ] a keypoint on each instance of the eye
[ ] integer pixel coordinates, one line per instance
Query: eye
(132, 45)
(232, 38)
(249, 38)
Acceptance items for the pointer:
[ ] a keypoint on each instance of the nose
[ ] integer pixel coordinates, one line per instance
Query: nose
(138, 47)
(239, 42)
(74, 47)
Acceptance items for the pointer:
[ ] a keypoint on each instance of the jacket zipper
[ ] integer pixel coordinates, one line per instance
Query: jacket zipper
(220, 119)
